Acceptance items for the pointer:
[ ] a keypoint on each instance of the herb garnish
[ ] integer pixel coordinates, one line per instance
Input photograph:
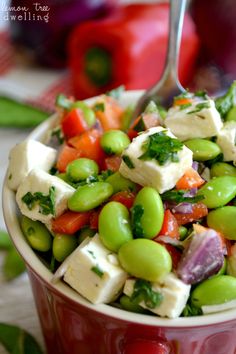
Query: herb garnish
(143, 292)
(97, 271)
(100, 106)
(202, 94)
(63, 102)
(184, 106)
(58, 134)
(226, 102)
(162, 148)
(128, 161)
(46, 202)
(191, 310)
(199, 107)
(116, 93)
(136, 215)
(177, 196)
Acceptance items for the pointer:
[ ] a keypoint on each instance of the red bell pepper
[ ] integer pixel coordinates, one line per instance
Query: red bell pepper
(199, 211)
(170, 226)
(128, 47)
(191, 179)
(124, 197)
(70, 222)
(74, 123)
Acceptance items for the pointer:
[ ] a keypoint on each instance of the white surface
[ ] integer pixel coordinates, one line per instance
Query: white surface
(16, 300)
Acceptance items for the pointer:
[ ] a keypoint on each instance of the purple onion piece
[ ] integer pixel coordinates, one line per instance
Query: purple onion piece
(191, 193)
(195, 165)
(202, 258)
(183, 208)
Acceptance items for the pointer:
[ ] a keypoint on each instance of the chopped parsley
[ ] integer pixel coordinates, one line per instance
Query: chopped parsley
(92, 254)
(117, 92)
(140, 126)
(97, 271)
(100, 106)
(58, 134)
(177, 196)
(184, 106)
(46, 202)
(191, 310)
(162, 148)
(185, 94)
(128, 161)
(226, 102)
(199, 107)
(202, 94)
(63, 102)
(136, 215)
(105, 174)
(143, 292)
(10, 176)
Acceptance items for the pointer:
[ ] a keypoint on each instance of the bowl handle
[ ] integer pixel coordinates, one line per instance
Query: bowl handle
(147, 346)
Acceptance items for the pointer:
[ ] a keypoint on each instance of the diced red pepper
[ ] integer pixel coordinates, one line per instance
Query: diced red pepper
(191, 179)
(199, 211)
(88, 145)
(170, 226)
(73, 123)
(124, 197)
(110, 117)
(112, 163)
(66, 155)
(93, 221)
(70, 222)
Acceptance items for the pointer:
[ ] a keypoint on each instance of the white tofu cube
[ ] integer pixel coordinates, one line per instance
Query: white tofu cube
(226, 139)
(94, 272)
(201, 124)
(39, 181)
(24, 157)
(150, 172)
(175, 295)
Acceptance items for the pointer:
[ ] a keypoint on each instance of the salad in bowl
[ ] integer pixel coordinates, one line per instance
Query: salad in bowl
(140, 217)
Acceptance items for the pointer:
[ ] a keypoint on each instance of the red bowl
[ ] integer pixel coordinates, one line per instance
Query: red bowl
(72, 325)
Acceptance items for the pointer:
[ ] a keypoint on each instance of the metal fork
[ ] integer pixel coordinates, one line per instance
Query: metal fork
(168, 86)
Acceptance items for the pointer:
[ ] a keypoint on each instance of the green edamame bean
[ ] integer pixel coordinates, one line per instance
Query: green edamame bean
(218, 191)
(114, 142)
(214, 291)
(222, 169)
(202, 149)
(88, 114)
(36, 234)
(63, 245)
(81, 169)
(223, 220)
(131, 306)
(90, 196)
(145, 259)
(147, 212)
(120, 183)
(183, 232)
(222, 270)
(114, 226)
(84, 233)
(231, 115)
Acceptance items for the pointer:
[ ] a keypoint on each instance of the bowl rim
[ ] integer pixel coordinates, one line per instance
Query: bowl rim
(11, 212)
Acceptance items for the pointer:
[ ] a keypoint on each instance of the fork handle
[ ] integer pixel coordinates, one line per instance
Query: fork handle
(176, 19)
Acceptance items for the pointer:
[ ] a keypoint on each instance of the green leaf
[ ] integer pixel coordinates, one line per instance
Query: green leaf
(200, 106)
(128, 161)
(143, 292)
(63, 102)
(97, 271)
(162, 148)
(226, 102)
(17, 341)
(5, 241)
(191, 310)
(13, 265)
(117, 92)
(45, 202)
(136, 215)
(100, 106)
(177, 196)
